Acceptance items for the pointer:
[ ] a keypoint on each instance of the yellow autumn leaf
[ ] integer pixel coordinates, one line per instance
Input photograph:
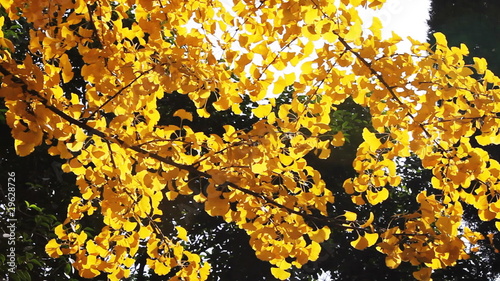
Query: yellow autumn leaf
(23, 148)
(280, 273)
(218, 177)
(360, 243)
(324, 153)
(355, 32)
(376, 27)
(365, 241)
(306, 67)
(129, 226)
(144, 205)
(371, 238)
(315, 251)
(279, 86)
(183, 114)
(216, 206)
(145, 231)
(91, 247)
(161, 268)
(53, 249)
(483, 139)
(202, 112)
(89, 272)
(372, 140)
(350, 216)
(259, 168)
(358, 199)
(6, 5)
(320, 235)
(348, 186)
(236, 108)
(440, 39)
(383, 194)
(480, 65)
(67, 70)
(486, 215)
(369, 221)
(204, 271)
(338, 139)
(286, 160)
(423, 274)
(182, 233)
(262, 110)
(171, 195)
(392, 261)
(200, 198)
(60, 232)
(377, 197)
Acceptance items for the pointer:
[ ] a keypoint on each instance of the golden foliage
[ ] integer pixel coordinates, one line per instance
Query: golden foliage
(425, 103)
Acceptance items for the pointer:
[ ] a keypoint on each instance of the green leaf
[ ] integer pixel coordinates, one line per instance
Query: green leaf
(67, 269)
(33, 206)
(36, 262)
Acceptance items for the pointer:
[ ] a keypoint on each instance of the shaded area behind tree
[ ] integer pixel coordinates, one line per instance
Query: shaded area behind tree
(475, 23)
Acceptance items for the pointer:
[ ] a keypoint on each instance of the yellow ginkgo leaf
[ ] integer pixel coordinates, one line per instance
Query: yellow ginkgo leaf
(486, 215)
(144, 204)
(280, 273)
(338, 139)
(371, 238)
(53, 248)
(202, 112)
(376, 27)
(440, 39)
(423, 274)
(324, 153)
(23, 148)
(216, 206)
(371, 139)
(350, 216)
(392, 261)
(67, 72)
(369, 221)
(358, 200)
(360, 243)
(348, 186)
(355, 32)
(144, 232)
(129, 226)
(285, 159)
(383, 194)
(200, 198)
(321, 234)
(182, 233)
(89, 273)
(161, 268)
(60, 232)
(377, 197)
(262, 110)
(171, 195)
(480, 65)
(183, 114)
(315, 251)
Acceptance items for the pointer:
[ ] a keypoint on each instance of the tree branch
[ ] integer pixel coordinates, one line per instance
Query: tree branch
(323, 221)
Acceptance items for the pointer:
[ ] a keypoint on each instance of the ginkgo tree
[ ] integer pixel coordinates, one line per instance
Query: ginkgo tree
(426, 103)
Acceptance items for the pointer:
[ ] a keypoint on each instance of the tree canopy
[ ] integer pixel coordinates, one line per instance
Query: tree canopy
(122, 91)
